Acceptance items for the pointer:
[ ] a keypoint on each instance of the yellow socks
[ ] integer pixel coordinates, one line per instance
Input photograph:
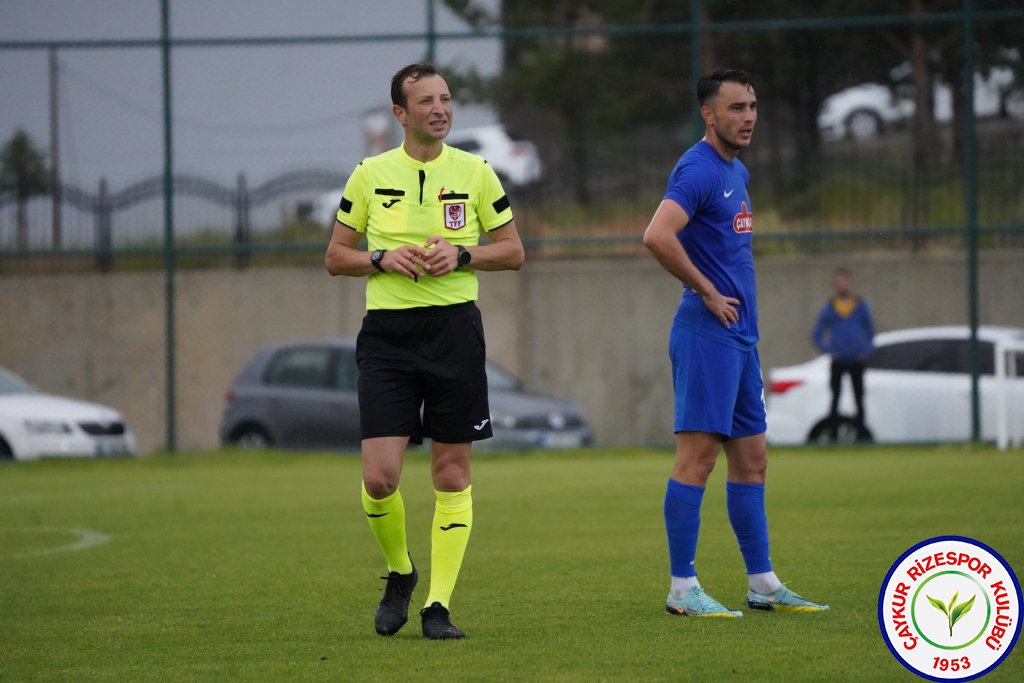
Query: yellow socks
(387, 522)
(453, 520)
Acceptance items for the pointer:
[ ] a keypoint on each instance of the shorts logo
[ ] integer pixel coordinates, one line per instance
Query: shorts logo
(744, 220)
(455, 215)
(949, 609)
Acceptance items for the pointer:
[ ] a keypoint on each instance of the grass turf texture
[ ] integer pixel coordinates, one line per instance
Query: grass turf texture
(234, 566)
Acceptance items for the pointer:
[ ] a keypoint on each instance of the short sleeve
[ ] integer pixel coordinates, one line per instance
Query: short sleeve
(354, 208)
(495, 210)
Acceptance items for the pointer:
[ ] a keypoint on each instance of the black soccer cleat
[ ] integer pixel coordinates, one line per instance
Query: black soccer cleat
(437, 625)
(393, 610)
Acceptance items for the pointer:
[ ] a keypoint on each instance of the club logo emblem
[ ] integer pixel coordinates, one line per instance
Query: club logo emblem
(744, 220)
(949, 609)
(455, 215)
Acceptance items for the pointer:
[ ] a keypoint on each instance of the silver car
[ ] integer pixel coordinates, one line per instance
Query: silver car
(302, 395)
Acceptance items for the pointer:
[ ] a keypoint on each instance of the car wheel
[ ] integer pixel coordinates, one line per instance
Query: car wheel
(864, 124)
(841, 430)
(1013, 105)
(252, 438)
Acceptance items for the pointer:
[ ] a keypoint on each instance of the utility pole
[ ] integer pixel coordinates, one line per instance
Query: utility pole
(55, 189)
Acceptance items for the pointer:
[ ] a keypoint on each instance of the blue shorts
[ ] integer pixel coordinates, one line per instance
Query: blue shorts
(718, 388)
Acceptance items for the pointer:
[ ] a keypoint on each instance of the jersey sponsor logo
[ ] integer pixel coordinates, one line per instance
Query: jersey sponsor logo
(744, 220)
(729, 193)
(455, 215)
(390, 203)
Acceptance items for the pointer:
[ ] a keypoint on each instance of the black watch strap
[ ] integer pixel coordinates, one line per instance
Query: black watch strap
(376, 257)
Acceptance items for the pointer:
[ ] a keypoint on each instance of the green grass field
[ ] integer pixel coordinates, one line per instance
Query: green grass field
(233, 566)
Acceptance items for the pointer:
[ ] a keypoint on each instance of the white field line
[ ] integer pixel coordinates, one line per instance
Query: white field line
(87, 538)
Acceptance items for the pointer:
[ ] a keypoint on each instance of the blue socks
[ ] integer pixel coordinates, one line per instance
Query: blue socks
(745, 503)
(682, 523)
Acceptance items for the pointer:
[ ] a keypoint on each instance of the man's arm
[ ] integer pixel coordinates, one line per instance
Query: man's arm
(505, 252)
(660, 239)
(343, 258)
(818, 334)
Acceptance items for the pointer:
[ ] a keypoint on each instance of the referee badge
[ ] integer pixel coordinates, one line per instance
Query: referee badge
(455, 215)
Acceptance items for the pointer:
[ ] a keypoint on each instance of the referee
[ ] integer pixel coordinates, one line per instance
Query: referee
(422, 208)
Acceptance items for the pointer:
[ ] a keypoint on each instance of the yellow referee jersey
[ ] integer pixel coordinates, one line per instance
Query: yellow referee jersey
(398, 200)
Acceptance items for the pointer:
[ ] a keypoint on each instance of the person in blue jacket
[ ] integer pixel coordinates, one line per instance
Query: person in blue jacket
(846, 332)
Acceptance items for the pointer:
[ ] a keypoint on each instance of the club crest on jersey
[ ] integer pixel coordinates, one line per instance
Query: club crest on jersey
(744, 220)
(455, 215)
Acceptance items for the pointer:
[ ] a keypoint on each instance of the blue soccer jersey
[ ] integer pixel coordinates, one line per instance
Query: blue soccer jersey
(717, 238)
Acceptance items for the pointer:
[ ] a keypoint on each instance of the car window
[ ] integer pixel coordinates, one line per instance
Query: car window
(925, 355)
(347, 377)
(12, 384)
(962, 358)
(299, 367)
(933, 355)
(500, 380)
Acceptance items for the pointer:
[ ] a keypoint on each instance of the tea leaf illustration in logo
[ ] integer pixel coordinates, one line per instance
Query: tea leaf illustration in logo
(954, 611)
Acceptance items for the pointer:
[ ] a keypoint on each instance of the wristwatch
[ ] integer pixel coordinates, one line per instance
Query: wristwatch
(464, 256)
(375, 257)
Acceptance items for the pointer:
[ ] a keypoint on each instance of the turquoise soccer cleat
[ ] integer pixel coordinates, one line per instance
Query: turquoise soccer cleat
(697, 603)
(782, 600)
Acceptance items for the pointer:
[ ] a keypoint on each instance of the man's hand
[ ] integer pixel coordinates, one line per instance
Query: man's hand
(441, 256)
(723, 307)
(408, 260)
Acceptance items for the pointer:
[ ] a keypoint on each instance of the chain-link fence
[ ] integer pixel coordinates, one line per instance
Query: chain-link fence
(865, 141)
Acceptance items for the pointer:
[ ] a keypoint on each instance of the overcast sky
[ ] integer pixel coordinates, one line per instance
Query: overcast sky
(258, 110)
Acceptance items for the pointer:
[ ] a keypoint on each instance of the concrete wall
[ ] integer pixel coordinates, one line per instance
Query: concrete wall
(594, 330)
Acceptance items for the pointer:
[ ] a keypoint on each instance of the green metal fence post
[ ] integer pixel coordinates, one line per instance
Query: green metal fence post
(971, 208)
(169, 340)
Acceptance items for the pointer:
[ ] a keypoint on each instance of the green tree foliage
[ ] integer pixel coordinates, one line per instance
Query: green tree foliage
(587, 89)
(24, 172)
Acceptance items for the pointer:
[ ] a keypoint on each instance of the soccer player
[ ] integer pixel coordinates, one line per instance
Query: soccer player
(845, 331)
(422, 208)
(701, 234)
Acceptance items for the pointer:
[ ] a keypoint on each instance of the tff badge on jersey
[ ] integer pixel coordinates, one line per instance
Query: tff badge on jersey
(949, 609)
(455, 215)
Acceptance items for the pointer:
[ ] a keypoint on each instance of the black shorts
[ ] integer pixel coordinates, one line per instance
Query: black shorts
(430, 359)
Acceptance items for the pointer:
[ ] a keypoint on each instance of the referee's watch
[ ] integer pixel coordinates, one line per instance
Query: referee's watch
(464, 256)
(375, 258)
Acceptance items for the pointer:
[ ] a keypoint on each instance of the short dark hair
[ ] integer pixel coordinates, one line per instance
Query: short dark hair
(414, 72)
(709, 84)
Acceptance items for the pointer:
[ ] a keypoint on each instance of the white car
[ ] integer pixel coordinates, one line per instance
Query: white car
(516, 162)
(868, 110)
(917, 388)
(35, 425)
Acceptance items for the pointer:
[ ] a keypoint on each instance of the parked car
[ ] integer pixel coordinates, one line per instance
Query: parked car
(36, 425)
(917, 388)
(302, 395)
(516, 162)
(868, 110)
